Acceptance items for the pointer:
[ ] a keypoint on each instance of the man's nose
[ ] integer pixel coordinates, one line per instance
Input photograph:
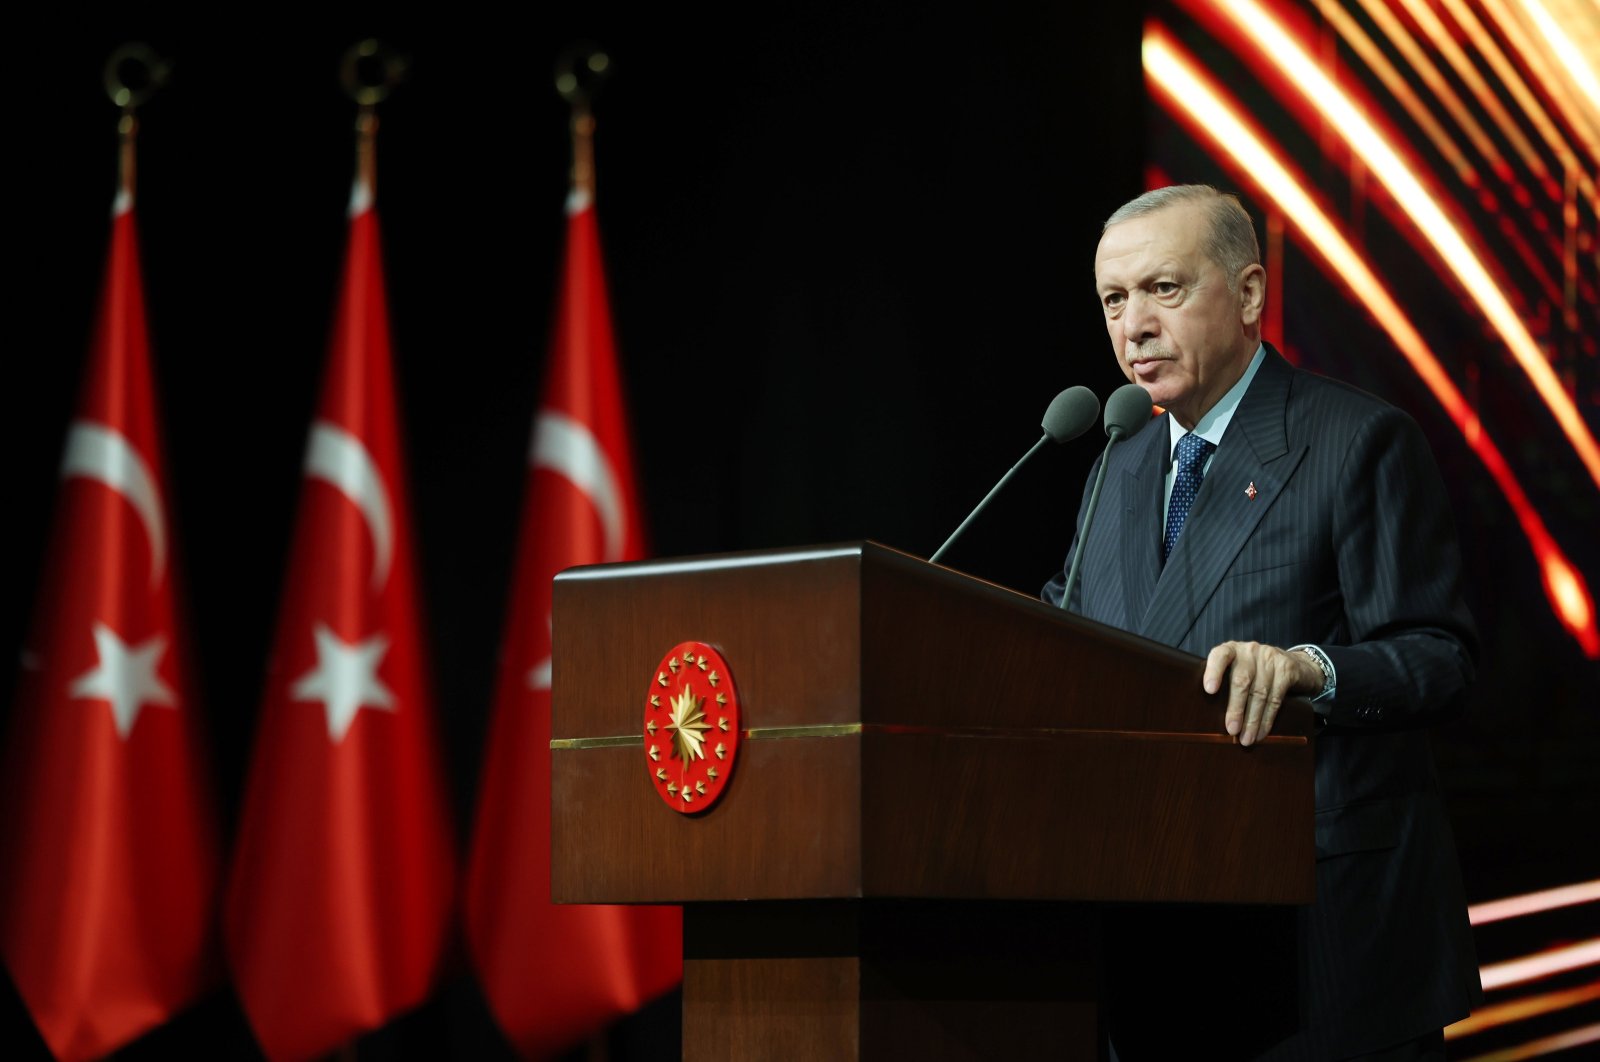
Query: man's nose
(1138, 321)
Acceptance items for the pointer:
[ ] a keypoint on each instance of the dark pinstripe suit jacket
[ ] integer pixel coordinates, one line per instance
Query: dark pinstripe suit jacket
(1348, 543)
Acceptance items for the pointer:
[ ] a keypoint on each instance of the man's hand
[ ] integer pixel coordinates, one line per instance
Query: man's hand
(1260, 677)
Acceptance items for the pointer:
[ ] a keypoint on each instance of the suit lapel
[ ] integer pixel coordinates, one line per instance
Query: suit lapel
(1144, 479)
(1254, 453)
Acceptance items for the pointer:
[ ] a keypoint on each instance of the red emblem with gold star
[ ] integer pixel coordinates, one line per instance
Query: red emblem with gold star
(691, 727)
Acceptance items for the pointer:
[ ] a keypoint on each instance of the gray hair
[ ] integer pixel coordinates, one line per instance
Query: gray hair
(1231, 241)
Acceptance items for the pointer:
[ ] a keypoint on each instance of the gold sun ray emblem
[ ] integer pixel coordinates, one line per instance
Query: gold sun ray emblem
(691, 727)
(688, 725)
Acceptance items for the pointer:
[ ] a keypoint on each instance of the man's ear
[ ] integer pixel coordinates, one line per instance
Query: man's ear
(1252, 294)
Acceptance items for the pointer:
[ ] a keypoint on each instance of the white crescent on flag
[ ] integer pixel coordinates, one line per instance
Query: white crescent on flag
(342, 460)
(96, 452)
(568, 448)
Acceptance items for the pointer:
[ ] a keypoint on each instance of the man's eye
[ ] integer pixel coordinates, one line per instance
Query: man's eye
(1112, 301)
(1164, 287)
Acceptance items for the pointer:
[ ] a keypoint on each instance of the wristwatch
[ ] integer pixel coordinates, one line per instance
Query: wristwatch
(1324, 665)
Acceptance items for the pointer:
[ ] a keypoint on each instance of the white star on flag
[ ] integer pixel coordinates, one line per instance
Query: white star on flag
(125, 677)
(345, 679)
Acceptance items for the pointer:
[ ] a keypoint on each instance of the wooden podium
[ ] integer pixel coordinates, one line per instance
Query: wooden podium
(940, 783)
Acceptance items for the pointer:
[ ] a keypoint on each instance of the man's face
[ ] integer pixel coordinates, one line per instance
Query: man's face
(1178, 331)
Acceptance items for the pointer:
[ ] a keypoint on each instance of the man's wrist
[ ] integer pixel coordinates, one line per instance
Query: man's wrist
(1324, 667)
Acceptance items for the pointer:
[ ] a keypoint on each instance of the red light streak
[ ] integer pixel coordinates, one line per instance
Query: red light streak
(1301, 69)
(1522, 1009)
(1545, 1045)
(1190, 96)
(1534, 902)
(1356, 39)
(1583, 76)
(1540, 965)
(1443, 91)
(1526, 101)
(1445, 42)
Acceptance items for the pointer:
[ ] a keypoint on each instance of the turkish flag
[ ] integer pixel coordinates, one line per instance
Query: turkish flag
(108, 855)
(554, 974)
(340, 891)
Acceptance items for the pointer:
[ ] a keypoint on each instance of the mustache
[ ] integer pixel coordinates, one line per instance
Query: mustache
(1146, 353)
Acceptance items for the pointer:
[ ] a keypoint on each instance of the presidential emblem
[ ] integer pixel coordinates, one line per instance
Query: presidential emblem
(691, 727)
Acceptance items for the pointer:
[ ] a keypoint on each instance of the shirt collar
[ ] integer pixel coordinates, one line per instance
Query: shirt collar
(1211, 426)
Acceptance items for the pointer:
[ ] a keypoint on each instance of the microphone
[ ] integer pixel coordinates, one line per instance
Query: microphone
(1127, 410)
(1069, 415)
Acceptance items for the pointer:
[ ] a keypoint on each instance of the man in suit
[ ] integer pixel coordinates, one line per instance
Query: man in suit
(1295, 532)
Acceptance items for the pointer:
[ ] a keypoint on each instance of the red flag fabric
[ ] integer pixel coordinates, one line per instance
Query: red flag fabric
(108, 855)
(554, 974)
(340, 890)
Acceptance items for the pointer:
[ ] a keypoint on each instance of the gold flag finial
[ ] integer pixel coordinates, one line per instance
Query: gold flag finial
(580, 70)
(370, 71)
(132, 75)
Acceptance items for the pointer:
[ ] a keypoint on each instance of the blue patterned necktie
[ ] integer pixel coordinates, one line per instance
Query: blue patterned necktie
(1192, 454)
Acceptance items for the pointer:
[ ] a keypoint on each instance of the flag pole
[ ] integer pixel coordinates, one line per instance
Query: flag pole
(133, 73)
(579, 72)
(366, 150)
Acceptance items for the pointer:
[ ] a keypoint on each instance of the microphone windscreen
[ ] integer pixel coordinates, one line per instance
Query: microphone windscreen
(1128, 409)
(1070, 413)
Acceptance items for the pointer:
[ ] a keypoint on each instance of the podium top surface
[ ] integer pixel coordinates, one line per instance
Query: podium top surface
(847, 623)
